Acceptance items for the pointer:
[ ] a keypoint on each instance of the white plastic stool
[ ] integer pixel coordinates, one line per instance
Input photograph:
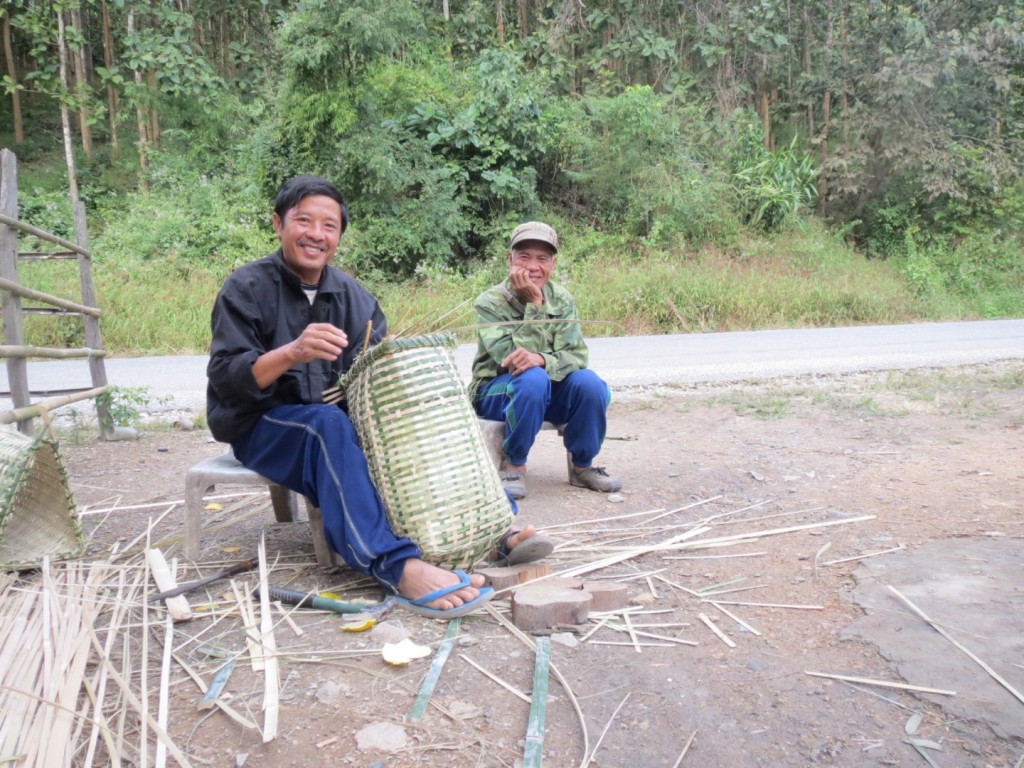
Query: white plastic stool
(493, 433)
(226, 469)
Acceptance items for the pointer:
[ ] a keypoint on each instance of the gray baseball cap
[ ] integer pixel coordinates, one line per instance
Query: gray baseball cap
(535, 230)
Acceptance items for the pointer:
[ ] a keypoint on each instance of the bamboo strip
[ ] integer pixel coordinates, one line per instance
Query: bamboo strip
(630, 630)
(712, 557)
(607, 725)
(865, 557)
(533, 753)
(248, 629)
(686, 748)
(714, 628)
(132, 699)
(165, 678)
(735, 618)
(882, 683)
(992, 673)
(631, 645)
(511, 689)
(419, 706)
(768, 605)
(222, 706)
(268, 644)
(676, 640)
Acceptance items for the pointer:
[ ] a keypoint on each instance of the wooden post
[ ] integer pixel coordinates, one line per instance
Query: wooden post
(93, 338)
(17, 367)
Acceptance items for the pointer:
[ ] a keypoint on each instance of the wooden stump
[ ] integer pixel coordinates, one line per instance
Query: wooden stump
(608, 595)
(540, 606)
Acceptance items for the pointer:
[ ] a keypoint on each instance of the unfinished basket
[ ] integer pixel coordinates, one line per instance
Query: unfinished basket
(37, 512)
(426, 455)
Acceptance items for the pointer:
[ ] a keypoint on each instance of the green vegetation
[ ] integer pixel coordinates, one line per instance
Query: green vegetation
(709, 167)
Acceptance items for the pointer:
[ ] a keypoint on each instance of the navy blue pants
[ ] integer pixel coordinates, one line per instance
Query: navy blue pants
(314, 450)
(525, 402)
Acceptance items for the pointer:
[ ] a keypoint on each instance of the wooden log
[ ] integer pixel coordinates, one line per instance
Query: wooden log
(540, 606)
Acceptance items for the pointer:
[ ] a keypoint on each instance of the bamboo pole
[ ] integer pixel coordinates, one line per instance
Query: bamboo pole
(533, 753)
(44, 406)
(28, 293)
(29, 229)
(50, 353)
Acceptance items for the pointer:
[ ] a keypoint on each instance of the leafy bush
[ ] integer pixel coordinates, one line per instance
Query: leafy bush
(773, 187)
(628, 163)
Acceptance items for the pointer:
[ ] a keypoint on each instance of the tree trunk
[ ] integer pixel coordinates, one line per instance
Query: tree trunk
(82, 84)
(19, 127)
(826, 110)
(524, 19)
(154, 115)
(807, 62)
(108, 62)
(140, 118)
(499, 22)
(65, 118)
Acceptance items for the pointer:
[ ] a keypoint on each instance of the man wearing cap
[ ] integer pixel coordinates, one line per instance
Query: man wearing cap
(531, 364)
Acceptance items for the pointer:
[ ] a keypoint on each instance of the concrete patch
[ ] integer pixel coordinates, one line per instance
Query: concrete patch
(972, 588)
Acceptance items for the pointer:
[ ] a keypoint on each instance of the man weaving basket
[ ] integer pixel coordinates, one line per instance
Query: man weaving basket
(283, 331)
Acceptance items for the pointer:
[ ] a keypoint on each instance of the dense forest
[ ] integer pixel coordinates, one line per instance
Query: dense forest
(670, 124)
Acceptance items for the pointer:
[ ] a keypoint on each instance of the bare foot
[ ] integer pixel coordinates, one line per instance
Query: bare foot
(420, 578)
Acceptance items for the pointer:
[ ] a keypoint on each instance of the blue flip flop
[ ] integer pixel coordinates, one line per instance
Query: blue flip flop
(419, 605)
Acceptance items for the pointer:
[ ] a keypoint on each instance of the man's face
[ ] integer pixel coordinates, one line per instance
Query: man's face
(309, 235)
(537, 258)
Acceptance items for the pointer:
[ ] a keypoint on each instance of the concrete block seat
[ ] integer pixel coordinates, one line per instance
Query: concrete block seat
(227, 470)
(494, 435)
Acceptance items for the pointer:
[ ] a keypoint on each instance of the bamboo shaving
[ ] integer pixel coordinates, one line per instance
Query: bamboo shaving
(508, 687)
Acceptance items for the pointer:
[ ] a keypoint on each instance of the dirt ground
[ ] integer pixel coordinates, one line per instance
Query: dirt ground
(935, 458)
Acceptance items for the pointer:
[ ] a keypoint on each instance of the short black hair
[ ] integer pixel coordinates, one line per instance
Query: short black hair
(298, 188)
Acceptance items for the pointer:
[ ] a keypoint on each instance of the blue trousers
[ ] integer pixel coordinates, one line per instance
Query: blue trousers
(314, 450)
(525, 402)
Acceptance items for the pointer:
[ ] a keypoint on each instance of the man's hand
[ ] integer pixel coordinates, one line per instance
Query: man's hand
(318, 341)
(522, 360)
(523, 286)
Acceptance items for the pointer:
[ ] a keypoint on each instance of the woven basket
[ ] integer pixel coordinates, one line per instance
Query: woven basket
(426, 455)
(37, 512)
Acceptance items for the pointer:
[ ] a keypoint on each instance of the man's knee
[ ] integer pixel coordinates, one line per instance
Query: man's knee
(533, 385)
(589, 386)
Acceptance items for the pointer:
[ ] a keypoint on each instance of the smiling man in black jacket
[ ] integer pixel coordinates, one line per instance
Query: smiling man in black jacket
(282, 331)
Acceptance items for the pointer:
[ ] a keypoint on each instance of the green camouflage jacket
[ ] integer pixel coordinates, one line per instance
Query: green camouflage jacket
(561, 343)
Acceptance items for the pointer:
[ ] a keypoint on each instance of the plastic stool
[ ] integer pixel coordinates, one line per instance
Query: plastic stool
(226, 469)
(493, 433)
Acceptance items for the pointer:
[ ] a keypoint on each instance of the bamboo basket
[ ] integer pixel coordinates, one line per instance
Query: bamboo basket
(426, 454)
(37, 512)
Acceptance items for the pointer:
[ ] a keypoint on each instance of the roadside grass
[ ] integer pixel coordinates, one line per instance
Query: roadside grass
(156, 288)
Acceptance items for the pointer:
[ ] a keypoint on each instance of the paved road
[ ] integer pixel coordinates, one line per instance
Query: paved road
(642, 360)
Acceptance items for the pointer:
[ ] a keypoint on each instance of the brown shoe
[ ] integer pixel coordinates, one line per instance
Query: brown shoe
(594, 478)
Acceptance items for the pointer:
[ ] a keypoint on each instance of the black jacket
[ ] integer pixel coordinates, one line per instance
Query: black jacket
(261, 307)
